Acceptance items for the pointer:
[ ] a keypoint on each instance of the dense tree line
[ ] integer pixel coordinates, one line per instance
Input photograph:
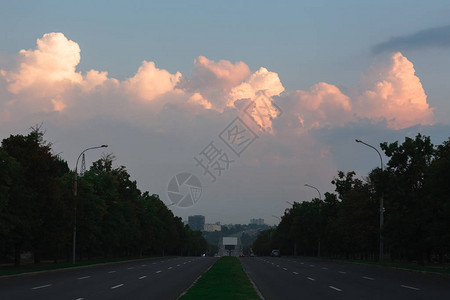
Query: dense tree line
(415, 186)
(114, 218)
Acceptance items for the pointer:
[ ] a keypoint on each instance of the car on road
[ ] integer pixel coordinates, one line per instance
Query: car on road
(275, 253)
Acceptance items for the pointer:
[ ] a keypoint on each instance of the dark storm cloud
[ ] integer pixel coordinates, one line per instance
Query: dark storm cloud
(432, 37)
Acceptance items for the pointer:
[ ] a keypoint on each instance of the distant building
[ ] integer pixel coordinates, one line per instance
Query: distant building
(257, 221)
(196, 222)
(213, 227)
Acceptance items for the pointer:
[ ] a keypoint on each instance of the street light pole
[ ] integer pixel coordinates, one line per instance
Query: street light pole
(381, 200)
(75, 193)
(320, 198)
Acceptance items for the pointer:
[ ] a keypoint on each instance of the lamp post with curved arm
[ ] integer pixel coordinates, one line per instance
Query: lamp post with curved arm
(381, 200)
(75, 193)
(320, 198)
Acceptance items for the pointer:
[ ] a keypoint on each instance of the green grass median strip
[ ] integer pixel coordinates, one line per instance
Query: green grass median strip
(226, 279)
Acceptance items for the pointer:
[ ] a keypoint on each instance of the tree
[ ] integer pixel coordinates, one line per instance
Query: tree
(43, 202)
(407, 209)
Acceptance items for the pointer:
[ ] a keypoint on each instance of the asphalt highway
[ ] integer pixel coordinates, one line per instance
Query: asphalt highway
(309, 278)
(164, 278)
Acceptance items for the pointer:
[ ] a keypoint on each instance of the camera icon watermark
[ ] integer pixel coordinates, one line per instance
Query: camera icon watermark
(184, 190)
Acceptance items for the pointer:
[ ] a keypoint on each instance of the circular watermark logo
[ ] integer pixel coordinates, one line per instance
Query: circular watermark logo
(184, 190)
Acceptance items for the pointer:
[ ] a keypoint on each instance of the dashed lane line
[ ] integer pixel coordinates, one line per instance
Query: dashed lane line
(342, 272)
(368, 278)
(41, 287)
(410, 287)
(116, 286)
(158, 271)
(334, 288)
(85, 277)
(142, 277)
(312, 279)
(295, 273)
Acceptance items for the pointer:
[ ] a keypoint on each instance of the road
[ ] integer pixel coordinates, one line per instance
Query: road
(164, 278)
(309, 278)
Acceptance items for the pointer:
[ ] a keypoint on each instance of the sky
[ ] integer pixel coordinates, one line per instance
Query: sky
(237, 104)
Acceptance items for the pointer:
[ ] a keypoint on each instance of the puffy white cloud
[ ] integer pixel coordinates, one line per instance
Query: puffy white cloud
(389, 91)
(392, 91)
(48, 68)
(150, 82)
(214, 80)
(322, 104)
(261, 80)
(220, 75)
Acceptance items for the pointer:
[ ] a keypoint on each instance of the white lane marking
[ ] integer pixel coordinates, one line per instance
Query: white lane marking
(117, 286)
(169, 268)
(295, 273)
(324, 268)
(79, 299)
(334, 288)
(41, 287)
(178, 265)
(130, 268)
(142, 277)
(85, 277)
(368, 278)
(410, 287)
(285, 269)
(342, 272)
(143, 265)
(312, 266)
(278, 266)
(158, 271)
(312, 279)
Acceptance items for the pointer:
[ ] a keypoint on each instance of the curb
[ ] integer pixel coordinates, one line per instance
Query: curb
(195, 281)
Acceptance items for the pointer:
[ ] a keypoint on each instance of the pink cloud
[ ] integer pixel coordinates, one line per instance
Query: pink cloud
(322, 104)
(221, 75)
(392, 91)
(151, 82)
(261, 80)
(45, 79)
(389, 91)
(48, 68)
(213, 80)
